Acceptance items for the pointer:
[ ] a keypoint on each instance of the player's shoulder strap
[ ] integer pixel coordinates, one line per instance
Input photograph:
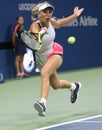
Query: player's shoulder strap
(39, 24)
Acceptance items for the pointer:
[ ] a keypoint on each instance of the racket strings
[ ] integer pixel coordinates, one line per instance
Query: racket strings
(32, 37)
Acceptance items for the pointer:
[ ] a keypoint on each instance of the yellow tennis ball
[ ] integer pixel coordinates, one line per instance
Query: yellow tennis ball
(71, 40)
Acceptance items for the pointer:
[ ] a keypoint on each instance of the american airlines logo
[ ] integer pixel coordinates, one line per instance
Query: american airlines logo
(83, 21)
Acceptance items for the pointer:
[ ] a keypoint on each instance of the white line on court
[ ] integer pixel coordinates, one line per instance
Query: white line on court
(70, 122)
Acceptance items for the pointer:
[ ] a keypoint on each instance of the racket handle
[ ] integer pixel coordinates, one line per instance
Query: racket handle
(43, 30)
(39, 38)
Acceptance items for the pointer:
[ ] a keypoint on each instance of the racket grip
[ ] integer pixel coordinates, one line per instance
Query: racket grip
(43, 30)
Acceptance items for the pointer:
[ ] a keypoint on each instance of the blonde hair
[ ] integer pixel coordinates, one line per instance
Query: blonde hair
(35, 10)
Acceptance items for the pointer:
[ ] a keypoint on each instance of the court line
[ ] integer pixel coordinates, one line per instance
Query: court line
(70, 122)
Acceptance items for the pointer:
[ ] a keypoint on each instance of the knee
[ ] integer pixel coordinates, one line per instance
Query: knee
(44, 74)
(55, 86)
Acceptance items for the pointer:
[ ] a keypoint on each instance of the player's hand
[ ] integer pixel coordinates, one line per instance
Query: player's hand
(77, 11)
(43, 30)
(41, 33)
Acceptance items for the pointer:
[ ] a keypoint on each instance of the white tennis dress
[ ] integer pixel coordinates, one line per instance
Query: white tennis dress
(49, 47)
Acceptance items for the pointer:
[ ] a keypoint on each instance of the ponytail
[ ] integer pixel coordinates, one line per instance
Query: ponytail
(35, 11)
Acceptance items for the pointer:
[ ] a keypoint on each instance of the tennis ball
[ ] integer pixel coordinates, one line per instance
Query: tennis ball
(71, 40)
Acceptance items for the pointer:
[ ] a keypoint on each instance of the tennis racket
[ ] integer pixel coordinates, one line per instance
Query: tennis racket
(31, 40)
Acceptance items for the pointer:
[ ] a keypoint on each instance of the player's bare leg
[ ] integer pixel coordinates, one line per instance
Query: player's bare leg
(49, 77)
(48, 69)
(56, 84)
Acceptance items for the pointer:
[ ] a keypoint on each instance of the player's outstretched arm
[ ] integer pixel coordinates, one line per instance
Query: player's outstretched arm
(60, 23)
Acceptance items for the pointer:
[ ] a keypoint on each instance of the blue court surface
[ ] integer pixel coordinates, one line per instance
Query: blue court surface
(91, 123)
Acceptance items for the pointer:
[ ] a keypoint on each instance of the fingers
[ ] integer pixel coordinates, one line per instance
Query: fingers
(81, 10)
(78, 11)
(76, 8)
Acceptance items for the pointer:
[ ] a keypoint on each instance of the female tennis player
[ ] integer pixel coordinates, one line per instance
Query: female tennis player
(49, 57)
(20, 48)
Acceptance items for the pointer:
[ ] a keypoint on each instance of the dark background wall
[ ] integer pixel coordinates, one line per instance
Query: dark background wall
(85, 53)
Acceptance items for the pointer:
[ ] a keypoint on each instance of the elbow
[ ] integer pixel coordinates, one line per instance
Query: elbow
(59, 24)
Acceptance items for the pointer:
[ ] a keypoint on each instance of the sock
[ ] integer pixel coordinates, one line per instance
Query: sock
(73, 86)
(43, 100)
